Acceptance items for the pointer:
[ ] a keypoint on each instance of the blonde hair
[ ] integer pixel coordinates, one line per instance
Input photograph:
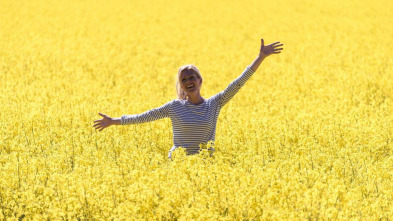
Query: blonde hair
(188, 67)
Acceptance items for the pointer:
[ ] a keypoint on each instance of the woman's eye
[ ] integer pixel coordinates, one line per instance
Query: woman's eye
(184, 80)
(192, 78)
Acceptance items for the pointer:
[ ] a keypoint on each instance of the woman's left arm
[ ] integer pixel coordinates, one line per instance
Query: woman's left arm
(265, 51)
(234, 87)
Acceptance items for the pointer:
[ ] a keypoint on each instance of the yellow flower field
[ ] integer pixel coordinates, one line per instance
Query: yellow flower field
(309, 136)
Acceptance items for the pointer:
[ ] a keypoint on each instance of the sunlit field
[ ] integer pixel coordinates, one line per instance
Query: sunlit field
(309, 136)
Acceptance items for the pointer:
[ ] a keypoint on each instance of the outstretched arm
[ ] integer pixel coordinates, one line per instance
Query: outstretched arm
(234, 87)
(151, 115)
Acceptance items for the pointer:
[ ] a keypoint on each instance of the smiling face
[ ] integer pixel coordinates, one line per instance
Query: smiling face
(190, 82)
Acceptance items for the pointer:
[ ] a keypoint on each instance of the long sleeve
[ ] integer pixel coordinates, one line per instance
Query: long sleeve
(227, 94)
(151, 115)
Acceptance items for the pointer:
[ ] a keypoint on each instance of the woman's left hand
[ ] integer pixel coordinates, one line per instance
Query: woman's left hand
(267, 50)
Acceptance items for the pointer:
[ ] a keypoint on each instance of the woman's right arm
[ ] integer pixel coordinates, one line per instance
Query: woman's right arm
(151, 115)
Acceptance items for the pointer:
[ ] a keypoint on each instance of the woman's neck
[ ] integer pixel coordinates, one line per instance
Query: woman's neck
(197, 99)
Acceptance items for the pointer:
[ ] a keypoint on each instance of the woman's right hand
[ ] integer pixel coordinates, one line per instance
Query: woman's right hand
(103, 123)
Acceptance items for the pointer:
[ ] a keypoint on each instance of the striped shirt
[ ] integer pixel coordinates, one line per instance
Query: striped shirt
(192, 124)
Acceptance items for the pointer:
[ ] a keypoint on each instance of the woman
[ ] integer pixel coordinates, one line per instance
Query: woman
(193, 117)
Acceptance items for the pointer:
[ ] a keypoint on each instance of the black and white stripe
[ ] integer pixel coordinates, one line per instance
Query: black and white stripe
(192, 124)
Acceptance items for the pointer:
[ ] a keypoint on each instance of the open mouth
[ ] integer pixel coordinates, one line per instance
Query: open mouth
(190, 86)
